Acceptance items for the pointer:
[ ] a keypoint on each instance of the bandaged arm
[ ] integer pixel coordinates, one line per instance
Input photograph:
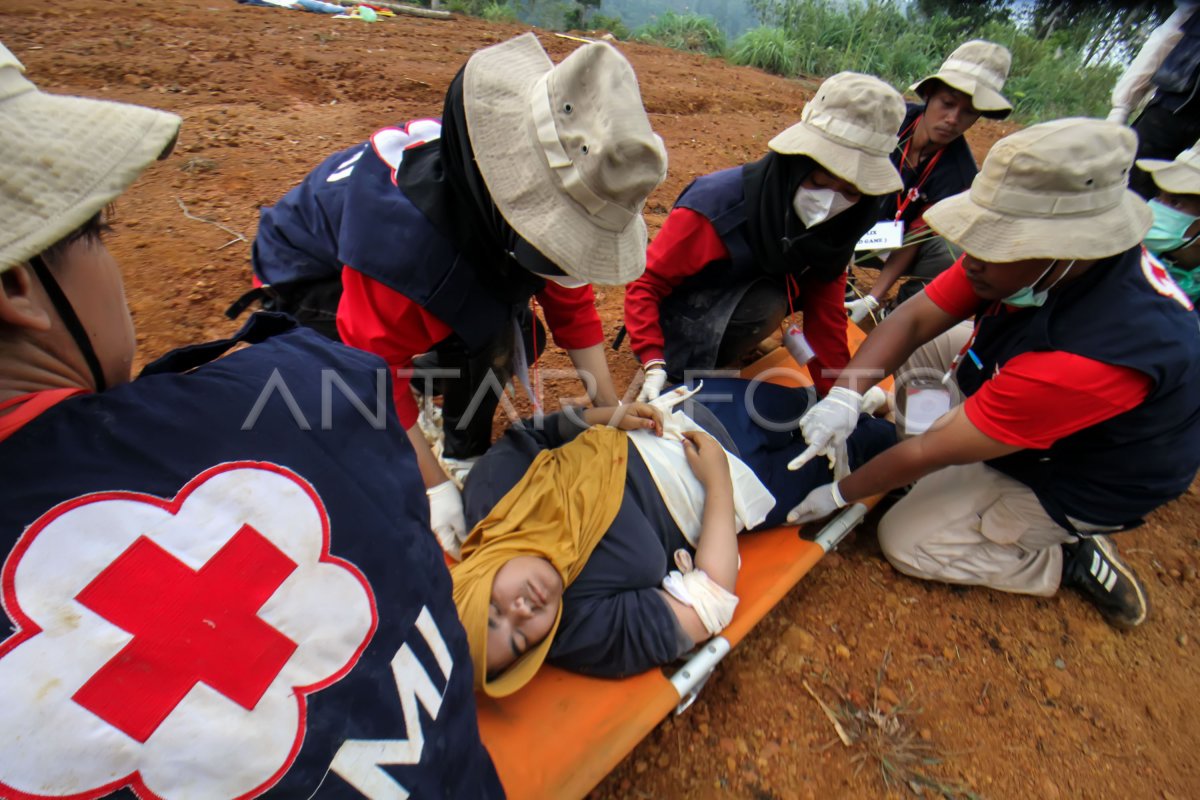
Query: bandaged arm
(717, 559)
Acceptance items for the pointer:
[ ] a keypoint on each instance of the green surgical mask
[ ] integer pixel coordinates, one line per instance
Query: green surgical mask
(1169, 230)
(1028, 298)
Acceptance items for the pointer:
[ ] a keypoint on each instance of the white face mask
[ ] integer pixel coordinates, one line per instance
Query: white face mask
(566, 281)
(814, 206)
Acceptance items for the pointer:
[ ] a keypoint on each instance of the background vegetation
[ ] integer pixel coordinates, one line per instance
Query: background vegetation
(1066, 53)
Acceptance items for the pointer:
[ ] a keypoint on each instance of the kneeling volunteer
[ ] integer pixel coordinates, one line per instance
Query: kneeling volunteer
(432, 238)
(745, 247)
(1081, 375)
(1175, 236)
(200, 598)
(935, 162)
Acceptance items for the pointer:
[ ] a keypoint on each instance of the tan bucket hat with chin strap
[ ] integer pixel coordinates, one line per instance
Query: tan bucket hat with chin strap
(849, 128)
(1055, 190)
(1181, 176)
(65, 158)
(978, 68)
(567, 153)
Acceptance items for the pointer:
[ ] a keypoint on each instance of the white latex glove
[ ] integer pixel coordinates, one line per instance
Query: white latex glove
(860, 308)
(820, 503)
(1118, 114)
(652, 386)
(827, 425)
(875, 399)
(446, 517)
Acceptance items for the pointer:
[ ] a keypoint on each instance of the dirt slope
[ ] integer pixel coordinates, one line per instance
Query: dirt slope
(1023, 697)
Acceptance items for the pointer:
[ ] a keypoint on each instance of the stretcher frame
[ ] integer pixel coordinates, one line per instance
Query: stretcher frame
(593, 723)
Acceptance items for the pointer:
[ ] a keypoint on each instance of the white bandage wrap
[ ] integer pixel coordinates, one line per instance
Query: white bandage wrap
(713, 603)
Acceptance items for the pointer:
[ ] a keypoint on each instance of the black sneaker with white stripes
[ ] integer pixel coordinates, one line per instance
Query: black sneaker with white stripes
(1094, 568)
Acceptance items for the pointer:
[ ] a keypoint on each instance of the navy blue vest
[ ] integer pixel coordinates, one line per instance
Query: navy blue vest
(349, 211)
(1178, 77)
(1122, 312)
(223, 582)
(953, 173)
(721, 199)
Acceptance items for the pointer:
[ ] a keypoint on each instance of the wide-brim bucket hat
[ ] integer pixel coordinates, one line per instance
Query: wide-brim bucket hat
(849, 128)
(1181, 176)
(978, 68)
(1055, 190)
(65, 158)
(567, 153)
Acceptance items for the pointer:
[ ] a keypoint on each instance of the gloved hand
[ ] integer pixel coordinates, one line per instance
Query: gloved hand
(446, 517)
(820, 503)
(860, 308)
(827, 425)
(652, 386)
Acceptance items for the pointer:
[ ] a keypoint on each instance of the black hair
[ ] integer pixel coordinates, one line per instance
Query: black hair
(89, 232)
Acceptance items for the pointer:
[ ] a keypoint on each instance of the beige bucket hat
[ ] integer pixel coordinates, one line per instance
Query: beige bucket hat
(65, 158)
(849, 128)
(1055, 190)
(1181, 176)
(978, 68)
(567, 153)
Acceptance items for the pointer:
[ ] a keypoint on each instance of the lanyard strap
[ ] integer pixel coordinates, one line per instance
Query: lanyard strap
(792, 288)
(966, 348)
(904, 199)
(71, 320)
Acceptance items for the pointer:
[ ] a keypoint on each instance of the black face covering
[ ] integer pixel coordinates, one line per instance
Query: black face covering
(67, 312)
(781, 243)
(442, 179)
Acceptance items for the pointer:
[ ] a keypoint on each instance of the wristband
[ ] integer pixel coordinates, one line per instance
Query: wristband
(837, 496)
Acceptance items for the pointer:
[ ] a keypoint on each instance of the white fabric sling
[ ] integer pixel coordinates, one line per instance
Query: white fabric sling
(681, 491)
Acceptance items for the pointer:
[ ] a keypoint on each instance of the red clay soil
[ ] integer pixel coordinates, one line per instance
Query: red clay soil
(1021, 697)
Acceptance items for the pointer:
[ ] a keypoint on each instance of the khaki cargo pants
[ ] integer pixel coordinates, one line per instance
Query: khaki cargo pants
(971, 524)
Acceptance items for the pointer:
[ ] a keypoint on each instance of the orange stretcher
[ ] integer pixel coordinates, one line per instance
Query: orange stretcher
(596, 722)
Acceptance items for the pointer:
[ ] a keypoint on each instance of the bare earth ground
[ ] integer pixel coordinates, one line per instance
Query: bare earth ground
(1021, 697)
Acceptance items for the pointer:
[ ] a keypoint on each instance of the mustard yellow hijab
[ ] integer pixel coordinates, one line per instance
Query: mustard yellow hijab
(559, 511)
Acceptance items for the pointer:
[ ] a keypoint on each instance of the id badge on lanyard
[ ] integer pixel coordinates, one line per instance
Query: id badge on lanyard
(887, 234)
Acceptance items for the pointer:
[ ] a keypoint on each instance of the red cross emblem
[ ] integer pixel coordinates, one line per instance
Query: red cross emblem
(196, 625)
(188, 627)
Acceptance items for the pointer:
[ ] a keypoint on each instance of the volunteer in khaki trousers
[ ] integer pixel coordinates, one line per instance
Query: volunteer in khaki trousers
(1081, 374)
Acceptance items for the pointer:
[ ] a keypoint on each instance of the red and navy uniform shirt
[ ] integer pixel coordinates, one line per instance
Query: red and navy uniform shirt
(221, 583)
(686, 245)
(348, 216)
(1100, 387)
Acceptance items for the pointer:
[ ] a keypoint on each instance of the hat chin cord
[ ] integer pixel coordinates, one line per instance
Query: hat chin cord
(67, 312)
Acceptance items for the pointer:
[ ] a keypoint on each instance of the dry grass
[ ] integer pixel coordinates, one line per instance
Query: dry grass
(884, 738)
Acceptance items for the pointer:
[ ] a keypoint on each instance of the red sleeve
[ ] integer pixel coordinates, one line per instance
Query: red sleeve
(1039, 398)
(373, 317)
(952, 292)
(571, 315)
(825, 324)
(686, 244)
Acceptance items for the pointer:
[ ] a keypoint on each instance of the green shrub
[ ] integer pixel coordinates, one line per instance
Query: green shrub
(499, 12)
(769, 49)
(612, 24)
(895, 42)
(471, 7)
(691, 32)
